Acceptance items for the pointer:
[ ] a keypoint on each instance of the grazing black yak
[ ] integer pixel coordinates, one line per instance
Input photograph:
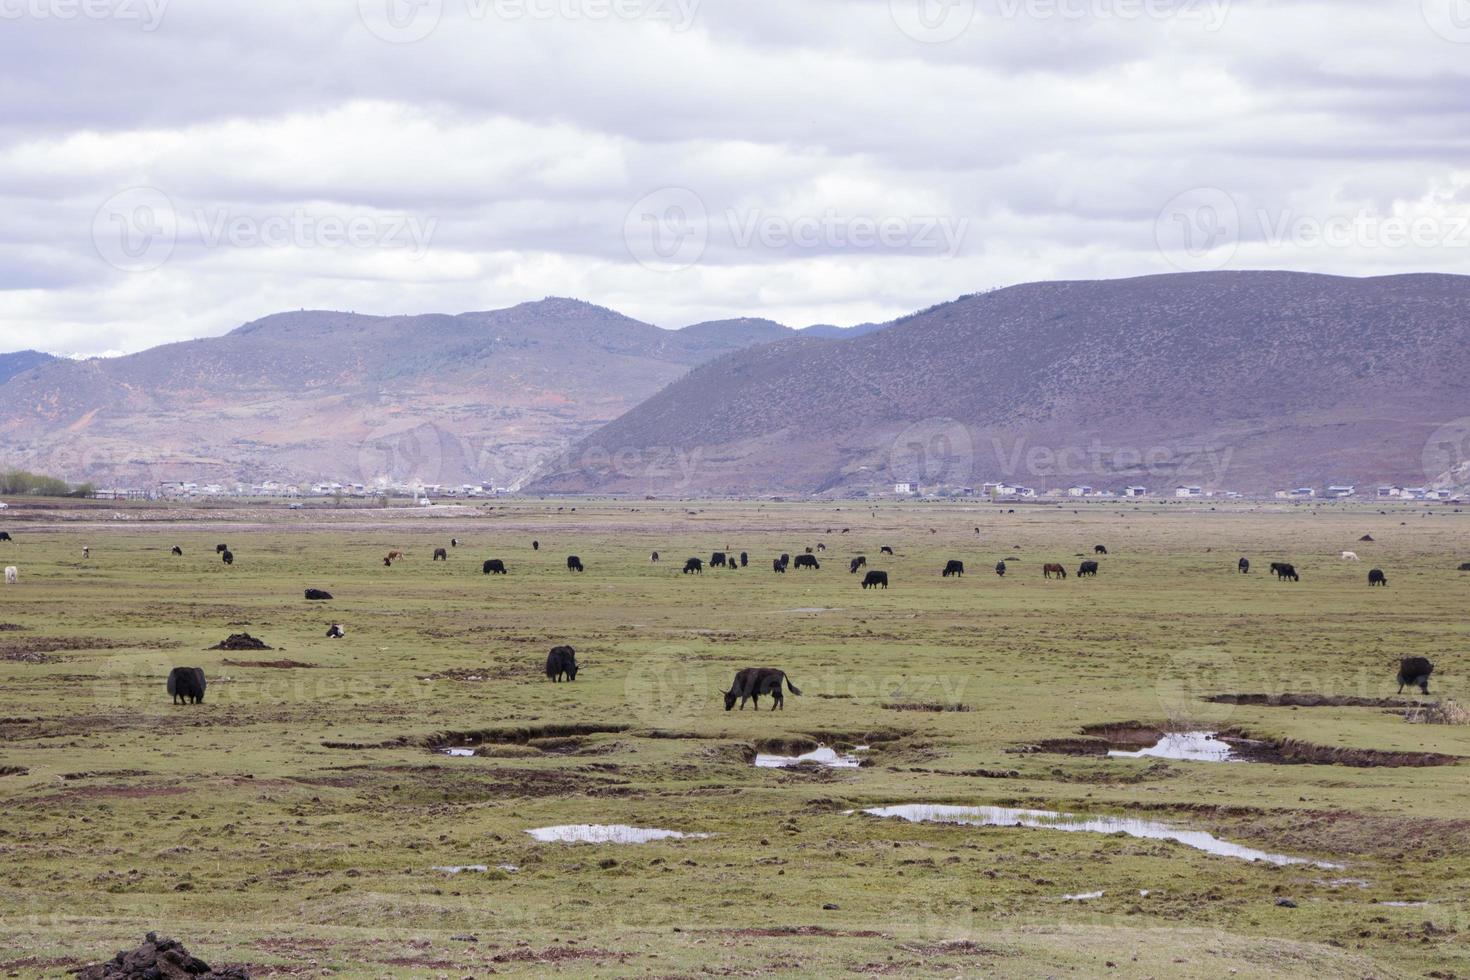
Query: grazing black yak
(752, 682)
(220, 549)
(1100, 550)
(1414, 672)
(860, 561)
(186, 685)
(717, 560)
(1000, 569)
(1087, 569)
(778, 566)
(561, 662)
(885, 550)
(694, 567)
(574, 564)
(953, 567)
(317, 595)
(229, 557)
(335, 632)
(1376, 577)
(495, 566)
(1284, 571)
(441, 554)
(1244, 565)
(875, 580)
(808, 561)
(178, 552)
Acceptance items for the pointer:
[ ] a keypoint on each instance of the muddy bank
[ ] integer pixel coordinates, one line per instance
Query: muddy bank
(277, 664)
(1309, 701)
(937, 707)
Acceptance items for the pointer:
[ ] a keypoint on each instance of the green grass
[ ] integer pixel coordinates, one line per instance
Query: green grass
(234, 827)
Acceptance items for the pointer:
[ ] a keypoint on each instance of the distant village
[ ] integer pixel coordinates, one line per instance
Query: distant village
(427, 493)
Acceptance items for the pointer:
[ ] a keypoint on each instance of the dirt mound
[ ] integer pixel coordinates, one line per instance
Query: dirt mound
(241, 641)
(279, 664)
(158, 959)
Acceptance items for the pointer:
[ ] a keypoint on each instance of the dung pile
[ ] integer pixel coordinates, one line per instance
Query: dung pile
(158, 958)
(241, 641)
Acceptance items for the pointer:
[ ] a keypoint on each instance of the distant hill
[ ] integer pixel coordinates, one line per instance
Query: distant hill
(20, 361)
(1249, 381)
(322, 395)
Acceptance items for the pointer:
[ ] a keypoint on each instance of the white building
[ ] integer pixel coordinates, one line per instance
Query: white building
(1189, 491)
(906, 488)
(1136, 492)
(1341, 491)
(1079, 491)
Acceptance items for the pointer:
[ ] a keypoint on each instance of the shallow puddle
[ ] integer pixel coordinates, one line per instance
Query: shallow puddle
(1083, 897)
(460, 753)
(456, 869)
(996, 816)
(822, 756)
(1188, 746)
(607, 834)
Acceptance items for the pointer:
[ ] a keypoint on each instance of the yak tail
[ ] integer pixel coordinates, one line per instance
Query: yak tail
(791, 687)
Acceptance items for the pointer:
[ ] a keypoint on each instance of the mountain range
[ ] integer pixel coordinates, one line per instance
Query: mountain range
(1232, 380)
(311, 395)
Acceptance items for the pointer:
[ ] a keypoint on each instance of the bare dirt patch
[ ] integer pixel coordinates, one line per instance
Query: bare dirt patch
(278, 664)
(937, 707)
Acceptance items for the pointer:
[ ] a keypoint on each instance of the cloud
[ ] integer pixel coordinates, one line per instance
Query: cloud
(173, 170)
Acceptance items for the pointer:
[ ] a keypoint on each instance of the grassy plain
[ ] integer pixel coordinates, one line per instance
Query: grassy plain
(293, 821)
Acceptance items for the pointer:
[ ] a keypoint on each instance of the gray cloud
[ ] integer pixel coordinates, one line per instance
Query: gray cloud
(829, 164)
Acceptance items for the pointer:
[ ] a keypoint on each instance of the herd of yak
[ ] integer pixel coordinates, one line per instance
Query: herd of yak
(187, 684)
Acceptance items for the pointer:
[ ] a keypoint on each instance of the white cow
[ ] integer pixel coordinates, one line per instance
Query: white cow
(1350, 556)
(12, 575)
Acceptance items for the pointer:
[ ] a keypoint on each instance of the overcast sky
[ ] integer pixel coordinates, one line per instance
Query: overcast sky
(173, 168)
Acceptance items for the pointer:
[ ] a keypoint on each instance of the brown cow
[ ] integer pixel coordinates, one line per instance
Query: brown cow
(1051, 569)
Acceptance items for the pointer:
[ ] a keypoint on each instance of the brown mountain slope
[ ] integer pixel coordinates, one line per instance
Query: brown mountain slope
(1248, 381)
(320, 395)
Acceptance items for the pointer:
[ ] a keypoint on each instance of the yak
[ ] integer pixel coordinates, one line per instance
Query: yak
(178, 552)
(752, 682)
(186, 685)
(335, 632)
(228, 557)
(694, 567)
(875, 580)
(953, 567)
(808, 561)
(859, 562)
(1284, 570)
(440, 554)
(1376, 577)
(561, 662)
(1414, 672)
(1244, 565)
(574, 564)
(495, 566)
(778, 566)
(317, 595)
(1087, 569)
(1100, 550)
